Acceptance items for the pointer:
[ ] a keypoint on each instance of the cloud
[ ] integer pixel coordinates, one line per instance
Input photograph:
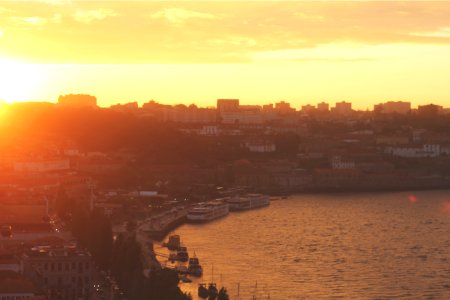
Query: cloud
(206, 32)
(440, 33)
(180, 15)
(29, 21)
(340, 52)
(88, 16)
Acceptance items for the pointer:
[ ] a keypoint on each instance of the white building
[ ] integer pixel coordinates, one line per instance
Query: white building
(338, 163)
(259, 146)
(427, 150)
(210, 130)
(41, 166)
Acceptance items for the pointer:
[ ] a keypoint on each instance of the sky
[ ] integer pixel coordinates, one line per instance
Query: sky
(196, 52)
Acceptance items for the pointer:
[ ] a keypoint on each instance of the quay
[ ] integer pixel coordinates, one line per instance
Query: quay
(158, 226)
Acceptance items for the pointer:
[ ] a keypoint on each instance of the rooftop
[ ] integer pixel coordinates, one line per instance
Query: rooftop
(14, 283)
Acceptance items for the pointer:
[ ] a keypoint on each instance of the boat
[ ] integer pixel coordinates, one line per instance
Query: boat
(212, 288)
(212, 291)
(203, 291)
(194, 267)
(173, 243)
(182, 254)
(208, 211)
(248, 201)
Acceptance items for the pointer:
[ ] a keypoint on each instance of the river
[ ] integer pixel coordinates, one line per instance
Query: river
(340, 246)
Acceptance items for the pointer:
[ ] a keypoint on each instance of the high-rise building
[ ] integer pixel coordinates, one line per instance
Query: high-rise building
(284, 107)
(342, 108)
(306, 109)
(391, 107)
(227, 105)
(77, 100)
(430, 110)
(323, 106)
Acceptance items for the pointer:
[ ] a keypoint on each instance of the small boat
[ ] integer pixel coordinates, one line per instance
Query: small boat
(174, 242)
(212, 291)
(194, 267)
(203, 291)
(182, 254)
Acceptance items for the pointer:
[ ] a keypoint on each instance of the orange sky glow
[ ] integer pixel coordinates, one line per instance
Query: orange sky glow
(257, 51)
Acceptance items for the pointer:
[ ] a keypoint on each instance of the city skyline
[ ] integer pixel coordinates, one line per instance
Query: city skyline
(184, 52)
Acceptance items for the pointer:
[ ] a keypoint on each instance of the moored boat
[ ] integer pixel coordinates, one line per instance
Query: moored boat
(182, 254)
(194, 267)
(248, 201)
(203, 291)
(208, 211)
(173, 243)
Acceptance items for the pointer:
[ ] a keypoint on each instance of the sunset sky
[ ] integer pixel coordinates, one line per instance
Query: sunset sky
(195, 52)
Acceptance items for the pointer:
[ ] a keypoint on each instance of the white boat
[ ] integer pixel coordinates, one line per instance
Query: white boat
(248, 201)
(208, 211)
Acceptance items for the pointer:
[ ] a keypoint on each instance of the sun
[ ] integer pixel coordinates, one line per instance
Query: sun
(19, 81)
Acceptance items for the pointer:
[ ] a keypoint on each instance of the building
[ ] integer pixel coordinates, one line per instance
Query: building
(14, 286)
(77, 100)
(189, 114)
(227, 105)
(323, 107)
(391, 107)
(342, 109)
(392, 140)
(338, 163)
(63, 272)
(425, 151)
(259, 145)
(242, 118)
(430, 110)
(283, 108)
(307, 109)
(209, 130)
(41, 166)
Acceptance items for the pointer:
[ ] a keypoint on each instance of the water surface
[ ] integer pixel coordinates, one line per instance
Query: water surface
(343, 246)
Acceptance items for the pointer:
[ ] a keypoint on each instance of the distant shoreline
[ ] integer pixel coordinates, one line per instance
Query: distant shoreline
(352, 191)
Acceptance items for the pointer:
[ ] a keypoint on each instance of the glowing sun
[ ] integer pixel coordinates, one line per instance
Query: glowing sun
(19, 81)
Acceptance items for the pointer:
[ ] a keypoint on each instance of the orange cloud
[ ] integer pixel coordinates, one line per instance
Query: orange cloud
(205, 32)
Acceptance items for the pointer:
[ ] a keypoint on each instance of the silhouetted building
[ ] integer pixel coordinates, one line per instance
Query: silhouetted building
(429, 110)
(342, 109)
(15, 286)
(227, 105)
(391, 107)
(283, 108)
(323, 106)
(77, 100)
(307, 109)
(64, 272)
